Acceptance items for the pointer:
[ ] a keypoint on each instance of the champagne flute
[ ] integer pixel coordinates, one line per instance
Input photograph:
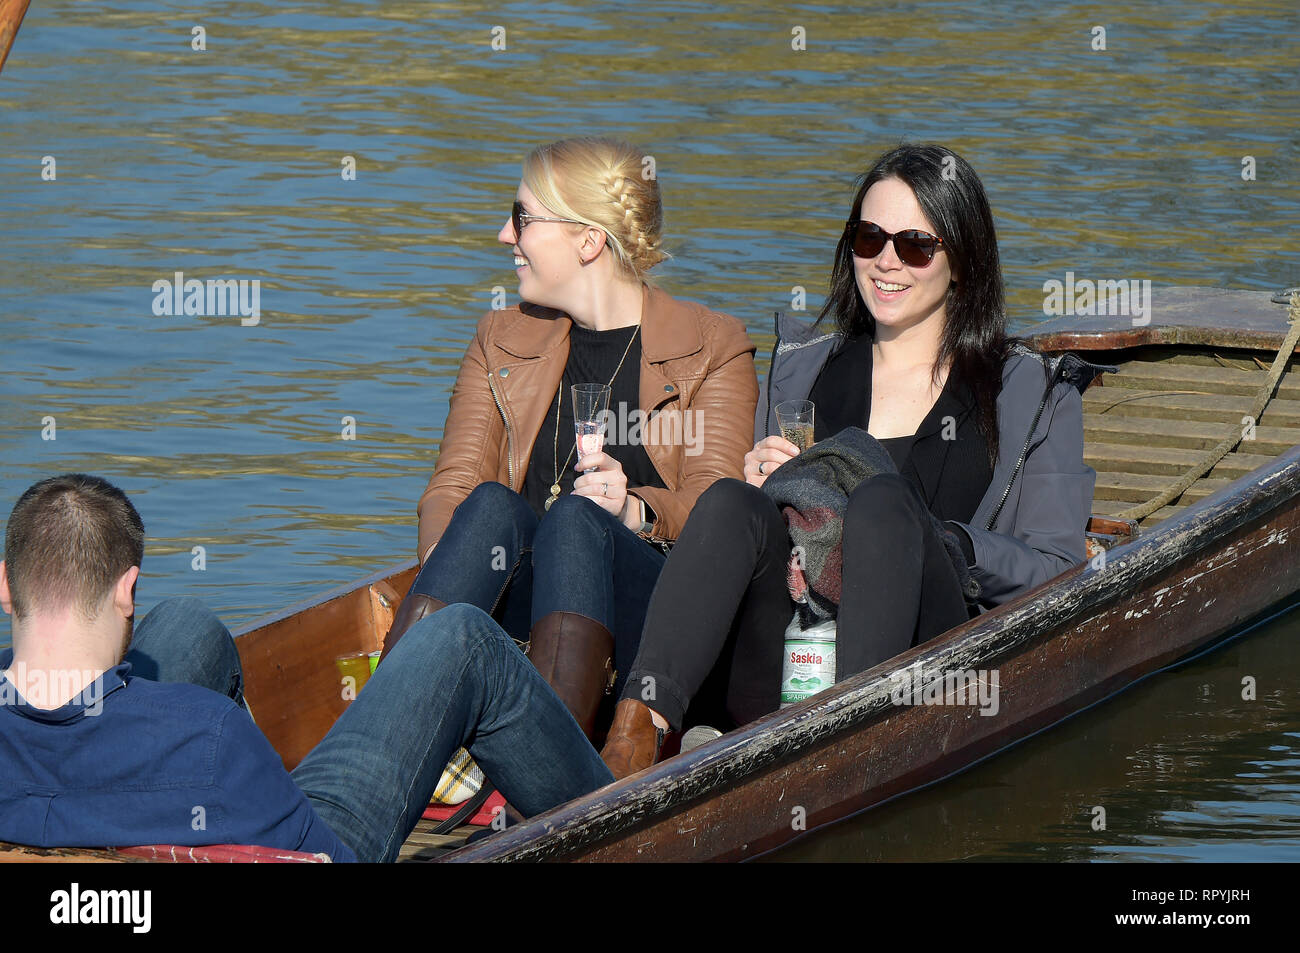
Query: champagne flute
(590, 405)
(795, 417)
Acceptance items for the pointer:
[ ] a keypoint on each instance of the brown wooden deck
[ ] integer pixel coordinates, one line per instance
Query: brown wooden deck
(423, 845)
(1146, 425)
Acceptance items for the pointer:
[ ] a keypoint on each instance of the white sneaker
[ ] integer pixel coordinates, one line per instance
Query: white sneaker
(699, 735)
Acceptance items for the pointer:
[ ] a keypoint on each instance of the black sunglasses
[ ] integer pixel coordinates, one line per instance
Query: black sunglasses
(519, 218)
(913, 246)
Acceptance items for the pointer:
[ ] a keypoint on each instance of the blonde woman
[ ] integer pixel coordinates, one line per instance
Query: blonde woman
(565, 548)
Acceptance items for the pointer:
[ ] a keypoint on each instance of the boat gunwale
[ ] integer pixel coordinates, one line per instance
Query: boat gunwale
(322, 598)
(1169, 335)
(747, 751)
(1182, 316)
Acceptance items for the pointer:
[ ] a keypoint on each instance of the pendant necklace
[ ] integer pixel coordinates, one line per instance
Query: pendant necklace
(555, 487)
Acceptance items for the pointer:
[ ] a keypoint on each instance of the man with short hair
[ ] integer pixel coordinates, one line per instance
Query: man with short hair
(92, 754)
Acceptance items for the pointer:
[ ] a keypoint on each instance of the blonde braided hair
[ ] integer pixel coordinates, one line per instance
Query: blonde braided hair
(602, 183)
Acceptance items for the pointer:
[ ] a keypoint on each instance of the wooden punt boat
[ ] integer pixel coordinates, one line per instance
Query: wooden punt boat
(1223, 553)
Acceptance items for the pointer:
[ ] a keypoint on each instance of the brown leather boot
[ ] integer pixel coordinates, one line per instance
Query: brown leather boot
(575, 655)
(413, 608)
(634, 740)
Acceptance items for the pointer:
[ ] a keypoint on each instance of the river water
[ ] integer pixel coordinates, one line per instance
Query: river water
(1170, 155)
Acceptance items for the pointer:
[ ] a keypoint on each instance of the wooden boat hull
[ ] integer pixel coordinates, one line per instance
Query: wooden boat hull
(1056, 650)
(290, 682)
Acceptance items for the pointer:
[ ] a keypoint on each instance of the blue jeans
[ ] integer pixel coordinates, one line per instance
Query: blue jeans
(454, 680)
(182, 640)
(497, 555)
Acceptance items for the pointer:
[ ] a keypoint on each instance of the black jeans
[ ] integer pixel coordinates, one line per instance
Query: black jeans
(714, 634)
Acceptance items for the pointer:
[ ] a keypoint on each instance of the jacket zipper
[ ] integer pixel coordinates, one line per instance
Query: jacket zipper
(510, 450)
(767, 418)
(1024, 451)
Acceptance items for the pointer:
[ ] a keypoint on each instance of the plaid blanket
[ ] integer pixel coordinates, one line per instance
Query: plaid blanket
(460, 780)
(813, 492)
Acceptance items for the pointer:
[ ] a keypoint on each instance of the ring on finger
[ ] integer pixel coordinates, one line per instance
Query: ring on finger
(760, 467)
(604, 489)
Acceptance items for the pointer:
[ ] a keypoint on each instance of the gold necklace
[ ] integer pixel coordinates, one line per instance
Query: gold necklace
(555, 487)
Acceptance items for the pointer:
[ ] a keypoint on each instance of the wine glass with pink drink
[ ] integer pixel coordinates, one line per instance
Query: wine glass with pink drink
(590, 405)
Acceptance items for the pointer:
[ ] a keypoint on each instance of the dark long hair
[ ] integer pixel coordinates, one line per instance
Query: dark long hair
(974, 335)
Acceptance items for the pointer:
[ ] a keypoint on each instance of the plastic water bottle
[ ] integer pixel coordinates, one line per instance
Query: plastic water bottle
(809, 664)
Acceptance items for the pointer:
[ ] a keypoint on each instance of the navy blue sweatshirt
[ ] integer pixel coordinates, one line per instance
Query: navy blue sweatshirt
(140, 762)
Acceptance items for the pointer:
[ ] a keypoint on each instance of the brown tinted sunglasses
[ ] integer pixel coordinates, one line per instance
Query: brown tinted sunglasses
(913, 246)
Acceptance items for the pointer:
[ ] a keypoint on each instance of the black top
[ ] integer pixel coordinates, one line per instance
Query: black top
(593, 356)
(953, 474)
(900, 448)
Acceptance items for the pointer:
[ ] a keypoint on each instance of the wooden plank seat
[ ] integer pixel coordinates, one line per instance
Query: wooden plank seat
(1170, 461)
(1150, 432)
(423, 845)
(1178, 375)
(1181, 404)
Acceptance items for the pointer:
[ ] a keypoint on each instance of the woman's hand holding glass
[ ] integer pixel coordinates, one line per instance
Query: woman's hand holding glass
(603, 481)
(768, 454)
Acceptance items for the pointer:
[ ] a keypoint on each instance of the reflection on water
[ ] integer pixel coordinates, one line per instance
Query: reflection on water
(1184, 767)
(1119, 163)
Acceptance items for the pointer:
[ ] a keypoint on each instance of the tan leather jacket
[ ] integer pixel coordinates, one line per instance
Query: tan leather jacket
(697, 378)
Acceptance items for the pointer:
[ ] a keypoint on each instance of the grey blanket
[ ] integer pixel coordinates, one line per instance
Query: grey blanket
(813, 492)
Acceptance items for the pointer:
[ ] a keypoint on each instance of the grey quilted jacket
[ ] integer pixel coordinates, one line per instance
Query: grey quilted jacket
(1029, 526)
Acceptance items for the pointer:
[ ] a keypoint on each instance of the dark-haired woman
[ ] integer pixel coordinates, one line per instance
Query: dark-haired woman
(987, 435)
